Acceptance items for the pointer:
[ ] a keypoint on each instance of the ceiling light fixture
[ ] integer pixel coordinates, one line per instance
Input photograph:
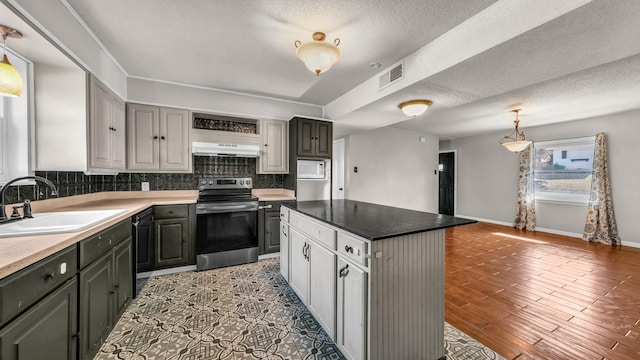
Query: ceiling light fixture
(516, 141)
(415, 108)
(10, 79)
(318, 55)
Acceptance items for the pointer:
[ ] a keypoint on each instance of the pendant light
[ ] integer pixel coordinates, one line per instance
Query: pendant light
(415, 108)
(516, 141)
(10, 79)
(318, 55)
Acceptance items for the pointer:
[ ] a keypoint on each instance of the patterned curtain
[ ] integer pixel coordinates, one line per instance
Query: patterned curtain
(601, 222)
(526, 207)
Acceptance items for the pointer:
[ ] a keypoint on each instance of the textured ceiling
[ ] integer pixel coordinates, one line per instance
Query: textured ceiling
(559, 61)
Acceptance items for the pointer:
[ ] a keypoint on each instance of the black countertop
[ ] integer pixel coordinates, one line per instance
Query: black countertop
(373, 221)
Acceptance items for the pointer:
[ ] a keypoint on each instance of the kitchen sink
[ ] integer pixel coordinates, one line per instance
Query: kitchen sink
(57, 222)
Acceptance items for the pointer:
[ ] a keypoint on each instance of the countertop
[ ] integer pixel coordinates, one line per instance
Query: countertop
(373, 221)
(17, 253)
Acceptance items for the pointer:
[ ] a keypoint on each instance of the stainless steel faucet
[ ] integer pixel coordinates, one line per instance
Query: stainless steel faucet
(27, 204)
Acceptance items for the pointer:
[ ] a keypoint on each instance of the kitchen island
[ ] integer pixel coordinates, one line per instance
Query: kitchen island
(372, 275)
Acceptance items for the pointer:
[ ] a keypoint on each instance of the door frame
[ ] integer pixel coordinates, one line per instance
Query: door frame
(334, 172)
(455, 178)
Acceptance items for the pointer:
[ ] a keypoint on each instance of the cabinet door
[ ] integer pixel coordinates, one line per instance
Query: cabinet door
(46, 331)
(306, 135)
(323, 139)
(299, 274)
(352, 311)
(274, 157)
(174, 139)
(123, 277)
(118, 125)
(172, 247)
(96, 305)
(272, 231)
(284, 250)
(322, 287)
(100, 124)
(142, 137)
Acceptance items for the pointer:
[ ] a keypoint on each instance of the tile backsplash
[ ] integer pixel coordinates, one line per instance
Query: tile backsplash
(77, 183)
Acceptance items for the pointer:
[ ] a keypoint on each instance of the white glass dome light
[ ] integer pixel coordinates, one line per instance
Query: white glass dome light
(415, 108)
(318, 55)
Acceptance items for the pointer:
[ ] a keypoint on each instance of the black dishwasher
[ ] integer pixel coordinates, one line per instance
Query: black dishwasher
(142, 233)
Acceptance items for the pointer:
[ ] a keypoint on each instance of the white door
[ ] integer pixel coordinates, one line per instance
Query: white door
(352, 310)
(284, 250)
(338, 169)
(299, 277)
(322, 285)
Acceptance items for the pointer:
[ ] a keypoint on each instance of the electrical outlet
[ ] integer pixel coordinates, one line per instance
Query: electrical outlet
(145, 186)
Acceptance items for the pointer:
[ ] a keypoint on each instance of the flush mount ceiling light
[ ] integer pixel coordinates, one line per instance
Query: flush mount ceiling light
(414, 108)
(516, 141)
(10, 79)
(318, 55)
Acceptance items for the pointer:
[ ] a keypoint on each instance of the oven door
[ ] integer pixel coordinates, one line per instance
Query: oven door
(226, 234)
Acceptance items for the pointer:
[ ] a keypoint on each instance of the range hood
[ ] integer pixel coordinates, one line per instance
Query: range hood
(219, 149)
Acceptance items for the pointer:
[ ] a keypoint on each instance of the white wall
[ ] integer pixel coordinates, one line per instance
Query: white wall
(487, 175)
(212, 100)
(394, 169)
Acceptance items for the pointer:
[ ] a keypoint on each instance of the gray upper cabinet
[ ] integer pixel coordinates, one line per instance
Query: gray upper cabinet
(158, 139)
(274, 155)
(313, 138)
(107, 128)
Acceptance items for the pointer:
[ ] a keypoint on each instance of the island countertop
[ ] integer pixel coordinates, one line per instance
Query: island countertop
(373, 221)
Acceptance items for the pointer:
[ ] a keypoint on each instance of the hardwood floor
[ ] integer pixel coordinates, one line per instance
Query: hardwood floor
(533, 295)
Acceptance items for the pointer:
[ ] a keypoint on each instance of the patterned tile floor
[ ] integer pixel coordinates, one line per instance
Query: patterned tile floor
(239, 312)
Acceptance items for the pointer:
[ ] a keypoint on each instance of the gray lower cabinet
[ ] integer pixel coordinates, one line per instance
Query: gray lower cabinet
(105, 284)
(174, 235)
(269, 227)
(46, 331)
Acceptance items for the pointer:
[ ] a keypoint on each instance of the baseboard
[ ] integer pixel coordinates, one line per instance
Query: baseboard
(559, 232)
(485, 220)
(268, 256)
(165, 271)
(630, 244)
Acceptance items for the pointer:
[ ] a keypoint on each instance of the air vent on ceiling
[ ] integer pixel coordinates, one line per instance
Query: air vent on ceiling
(389, 77)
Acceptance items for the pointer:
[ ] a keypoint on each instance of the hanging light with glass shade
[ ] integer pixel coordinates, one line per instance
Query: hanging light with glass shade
(318, 55)
(515, 142)
(10, 79)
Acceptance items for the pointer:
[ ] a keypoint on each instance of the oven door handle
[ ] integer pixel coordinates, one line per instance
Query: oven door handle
(218, 209)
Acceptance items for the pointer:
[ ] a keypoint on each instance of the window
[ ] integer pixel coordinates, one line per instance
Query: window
(562, 170)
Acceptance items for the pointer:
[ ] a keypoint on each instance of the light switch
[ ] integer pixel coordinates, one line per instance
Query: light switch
(63, 268)
(145, 186)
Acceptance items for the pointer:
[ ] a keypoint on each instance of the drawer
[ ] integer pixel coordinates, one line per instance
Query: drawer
(284, 214)
(170, 211)
(22, 289)
(98, 244)
(321, 233)
(352, 248)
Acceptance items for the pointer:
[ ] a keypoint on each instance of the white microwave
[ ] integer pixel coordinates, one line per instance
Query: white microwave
(311, 169)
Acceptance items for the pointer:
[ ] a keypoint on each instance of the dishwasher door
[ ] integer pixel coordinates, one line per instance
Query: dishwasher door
(143, 249)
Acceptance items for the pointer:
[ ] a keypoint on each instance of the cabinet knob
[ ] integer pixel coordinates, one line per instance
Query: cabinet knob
(50, 275)
(155, 137)
(348, 249)
(266, 144)
(162, 137)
